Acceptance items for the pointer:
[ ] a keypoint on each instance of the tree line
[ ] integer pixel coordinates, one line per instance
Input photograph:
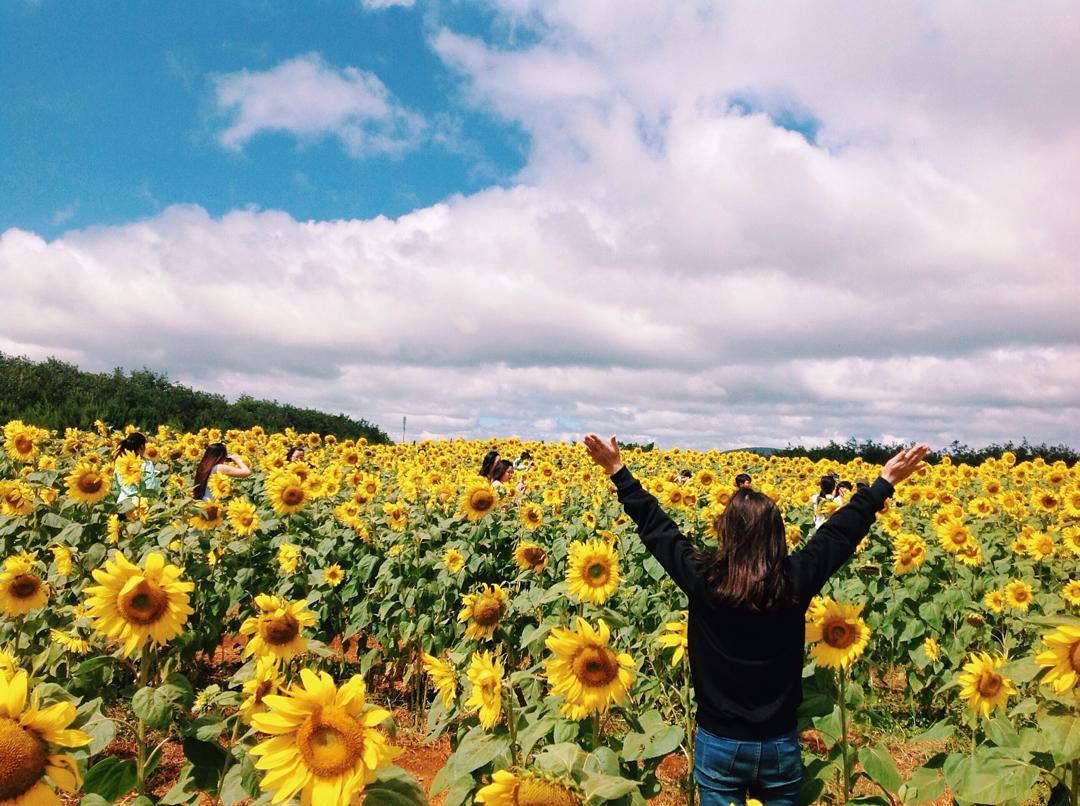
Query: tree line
(56, 395)
(957, 452)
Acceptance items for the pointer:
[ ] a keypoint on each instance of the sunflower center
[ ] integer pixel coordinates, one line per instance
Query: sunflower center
(23, 756)
(24, 586)
(280, 630)
(1074, 657)
(487, 612)
(533, 555)
(838, 634)
(596, 666)
(331, 742)
(598, 574)
(291, 496)
(482, 500)
(989, 684)
(144, 604)
(264, 688)
(23, 444)
(534, 792)
(90, 483)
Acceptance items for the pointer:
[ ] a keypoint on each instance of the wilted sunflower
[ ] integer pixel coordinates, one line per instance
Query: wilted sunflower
(207, 516)
(1018, 595)
(324, 745)
(483, 611)
(277, 627)
(242, 516)
(16, 498)
(585, 671)
(265, 681)
(982, 685)
(133, 605)
(21, 589)
(478, 500)
(454, 560)
(529, 556)
(87, 484)
(26, 733)
(287, 493)
(592, 573)
(485, 674)
(526, 788)
(1062, 656)
(531, 516)
(442, 675)
(839, 635)
(674, 637)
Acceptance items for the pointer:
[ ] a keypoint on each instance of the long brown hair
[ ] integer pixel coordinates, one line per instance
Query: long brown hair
(214, 454)
(748, 570)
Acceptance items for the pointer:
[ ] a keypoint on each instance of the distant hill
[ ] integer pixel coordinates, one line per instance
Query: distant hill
(54, 394)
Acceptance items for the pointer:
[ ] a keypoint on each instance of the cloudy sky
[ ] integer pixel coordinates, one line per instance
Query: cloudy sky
(706, 224)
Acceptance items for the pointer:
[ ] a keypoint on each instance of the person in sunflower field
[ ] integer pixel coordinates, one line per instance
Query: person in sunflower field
(746, 630)
(215, 459)
(132, 449)
(826, 500)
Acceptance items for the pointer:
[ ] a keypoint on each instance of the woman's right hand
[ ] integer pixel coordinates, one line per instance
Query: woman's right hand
(904, 464)
(605, 454)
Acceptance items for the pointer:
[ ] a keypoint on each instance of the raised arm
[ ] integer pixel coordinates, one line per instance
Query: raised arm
(657, 530)
(834, 543)
(239, 472)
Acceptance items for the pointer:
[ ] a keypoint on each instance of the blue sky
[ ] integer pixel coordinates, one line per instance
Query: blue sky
(712, 224)
(109, 112)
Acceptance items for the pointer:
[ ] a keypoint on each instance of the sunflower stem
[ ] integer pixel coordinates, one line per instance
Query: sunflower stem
(140, 727)
(843, 735)
(228, 753)
(508, 700)
(595, 724)
(688, 718)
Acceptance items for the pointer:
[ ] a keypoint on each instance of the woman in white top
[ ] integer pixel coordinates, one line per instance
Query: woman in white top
(213, 461)
(825, 502)
(135, 443)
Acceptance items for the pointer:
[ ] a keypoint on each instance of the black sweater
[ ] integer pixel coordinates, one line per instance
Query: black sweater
(747, 666)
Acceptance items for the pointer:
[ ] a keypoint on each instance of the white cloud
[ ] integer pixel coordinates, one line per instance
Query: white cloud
(668, 267)
(376, 5)
(308, 98)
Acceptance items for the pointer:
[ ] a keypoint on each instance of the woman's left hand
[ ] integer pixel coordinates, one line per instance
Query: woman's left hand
(605, 454)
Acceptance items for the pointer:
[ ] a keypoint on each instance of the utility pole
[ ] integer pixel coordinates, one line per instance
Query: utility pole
(403, 421)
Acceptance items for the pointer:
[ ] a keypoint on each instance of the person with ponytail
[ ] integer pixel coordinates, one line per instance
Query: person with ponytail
(214, 460)
(135, 444)
(745, 634)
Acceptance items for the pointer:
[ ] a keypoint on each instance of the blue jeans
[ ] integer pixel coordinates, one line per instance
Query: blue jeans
(728, 770)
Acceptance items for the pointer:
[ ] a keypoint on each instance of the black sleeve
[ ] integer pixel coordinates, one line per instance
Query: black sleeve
(658, 531)
(834, 543)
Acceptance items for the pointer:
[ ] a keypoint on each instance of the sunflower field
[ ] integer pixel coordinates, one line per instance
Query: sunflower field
(280, 634)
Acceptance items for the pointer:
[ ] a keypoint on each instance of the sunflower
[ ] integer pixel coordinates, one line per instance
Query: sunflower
(483, 611)
(994, 601)
(112, 529)
(478, 500)
(288, 557)
(674, 637)
(242, 516)
(133, 605)
(20, 440)
(971, 554)
(531, 516)
(526, 788)
(277, 628)
(1018, 595)
(21, 590)
(396, 515)
(333, 575)
(982, 685)
(454, 560)
(26, 733)
(485, 674)
(792, 535)
(265, 681)
(72, 643)
(953, 535)
(442, 675)
(585, 671)
(592, 573)
(839, 635)
(129, 468)
(529, 556)
(1062, 656)
(1071, 592)
(87, 484)
(287, 493)
(931, 648)
(220, 486)
(8, 666)
(207, 516)
(323, 745)
(62, 559)
(16, 498)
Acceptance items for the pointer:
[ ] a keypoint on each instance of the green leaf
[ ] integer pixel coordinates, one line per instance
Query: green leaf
(879, 765)
(661, 741)
(923, 786)
(607, 787)
(992, 775)
(204, 754)
(534, 732)
(91, 665)
(111, 778)
(1002, 733)
(1021, 670)
(561, 758)
(152, 707)
(936, 732)
(1062, 734)
(477, 749)
(207, 728)
(394, 787)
